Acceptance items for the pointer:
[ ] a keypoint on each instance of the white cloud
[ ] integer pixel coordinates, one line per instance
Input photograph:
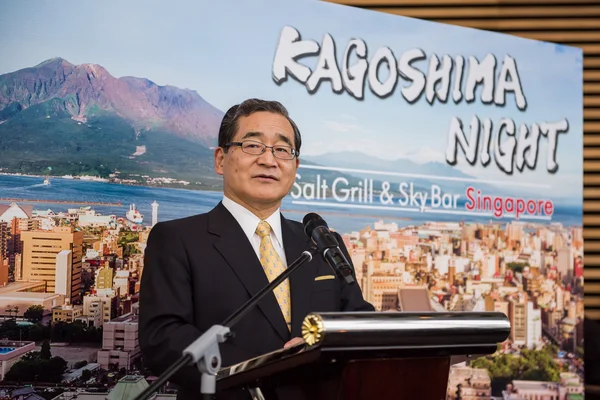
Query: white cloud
(341, 127)
(424, 155)
(334, 145)
(349, 117)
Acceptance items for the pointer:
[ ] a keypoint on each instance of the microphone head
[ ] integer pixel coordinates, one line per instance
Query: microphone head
(312, 221)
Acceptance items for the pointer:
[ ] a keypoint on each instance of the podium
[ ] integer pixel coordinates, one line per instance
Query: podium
(372, 355)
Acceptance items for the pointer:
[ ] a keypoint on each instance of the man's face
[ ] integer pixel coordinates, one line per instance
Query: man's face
(258, 181)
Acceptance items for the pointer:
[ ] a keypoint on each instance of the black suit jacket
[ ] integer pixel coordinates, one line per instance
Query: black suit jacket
(199, 270)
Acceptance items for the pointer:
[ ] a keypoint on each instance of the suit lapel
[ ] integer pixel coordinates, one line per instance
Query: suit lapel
(239, 254)
(294, 243)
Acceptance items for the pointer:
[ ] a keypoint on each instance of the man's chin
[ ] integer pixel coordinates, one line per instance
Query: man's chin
(267, 197)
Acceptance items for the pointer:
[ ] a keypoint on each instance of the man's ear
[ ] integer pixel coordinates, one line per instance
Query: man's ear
(219, 160)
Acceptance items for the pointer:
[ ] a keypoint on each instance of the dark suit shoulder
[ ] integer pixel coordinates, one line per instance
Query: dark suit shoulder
(294, 224)
(296, 227)
(186, 223)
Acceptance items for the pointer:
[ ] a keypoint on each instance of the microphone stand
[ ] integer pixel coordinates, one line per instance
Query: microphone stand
(204, 351)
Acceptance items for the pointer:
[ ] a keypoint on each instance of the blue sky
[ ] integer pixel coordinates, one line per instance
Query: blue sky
(226, 56)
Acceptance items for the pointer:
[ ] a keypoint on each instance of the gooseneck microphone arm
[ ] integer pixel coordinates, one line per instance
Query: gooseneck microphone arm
(306, 256)
(204, 351)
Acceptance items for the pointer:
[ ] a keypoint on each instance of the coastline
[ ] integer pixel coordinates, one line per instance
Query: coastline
(97, 179)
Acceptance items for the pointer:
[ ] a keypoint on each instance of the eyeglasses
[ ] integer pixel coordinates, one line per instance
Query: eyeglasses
(257, 148)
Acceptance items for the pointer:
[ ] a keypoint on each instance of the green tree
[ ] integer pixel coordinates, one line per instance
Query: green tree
(129, 249)
(529, 365)
(36, 333)
(33, 368)
(56, 367)
(86, 375)
(34, 313)
(517, 266)
(459, 391)
(128, 237)
(75, 332)
(45, 352)
(9, 329)
(552, 349)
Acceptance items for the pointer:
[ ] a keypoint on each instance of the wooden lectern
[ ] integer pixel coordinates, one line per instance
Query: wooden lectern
(372, 356)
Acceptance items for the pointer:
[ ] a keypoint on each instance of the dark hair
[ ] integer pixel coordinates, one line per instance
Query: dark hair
(229, 124)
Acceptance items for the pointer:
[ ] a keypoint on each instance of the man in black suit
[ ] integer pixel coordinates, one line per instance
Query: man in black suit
(199, 270)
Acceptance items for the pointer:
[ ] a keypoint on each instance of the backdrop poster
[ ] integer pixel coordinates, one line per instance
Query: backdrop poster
(450, 159)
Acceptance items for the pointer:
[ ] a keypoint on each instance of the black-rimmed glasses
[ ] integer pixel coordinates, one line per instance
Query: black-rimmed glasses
(257, 148)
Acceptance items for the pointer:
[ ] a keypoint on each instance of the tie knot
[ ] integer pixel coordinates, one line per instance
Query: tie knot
(263, 229)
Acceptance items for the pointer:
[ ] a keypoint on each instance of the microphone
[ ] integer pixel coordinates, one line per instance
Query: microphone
(316, 228)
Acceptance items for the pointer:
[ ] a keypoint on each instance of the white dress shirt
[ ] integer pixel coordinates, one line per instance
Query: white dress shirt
(248, 221)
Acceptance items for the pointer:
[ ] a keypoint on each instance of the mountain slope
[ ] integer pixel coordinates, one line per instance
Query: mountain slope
(98, 147)
(88, 90)
(58, 118)
(357, 160)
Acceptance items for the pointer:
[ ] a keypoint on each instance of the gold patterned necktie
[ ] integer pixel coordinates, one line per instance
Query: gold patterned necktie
(273, 266)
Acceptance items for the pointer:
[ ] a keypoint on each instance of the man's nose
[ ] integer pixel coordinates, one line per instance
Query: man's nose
(267, 157)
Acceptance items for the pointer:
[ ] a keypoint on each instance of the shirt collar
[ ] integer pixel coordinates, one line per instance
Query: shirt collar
(248, 221)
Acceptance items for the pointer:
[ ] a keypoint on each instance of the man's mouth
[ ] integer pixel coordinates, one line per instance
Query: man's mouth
(265, 176)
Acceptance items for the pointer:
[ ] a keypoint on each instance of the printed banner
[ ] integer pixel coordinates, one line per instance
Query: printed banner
(449, 159)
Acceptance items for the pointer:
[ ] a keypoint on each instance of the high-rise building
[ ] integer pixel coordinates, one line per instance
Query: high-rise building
(42, 261)
(3, 240)
(518, 322)
(534, 326)
(120, 345)
(104, 278)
